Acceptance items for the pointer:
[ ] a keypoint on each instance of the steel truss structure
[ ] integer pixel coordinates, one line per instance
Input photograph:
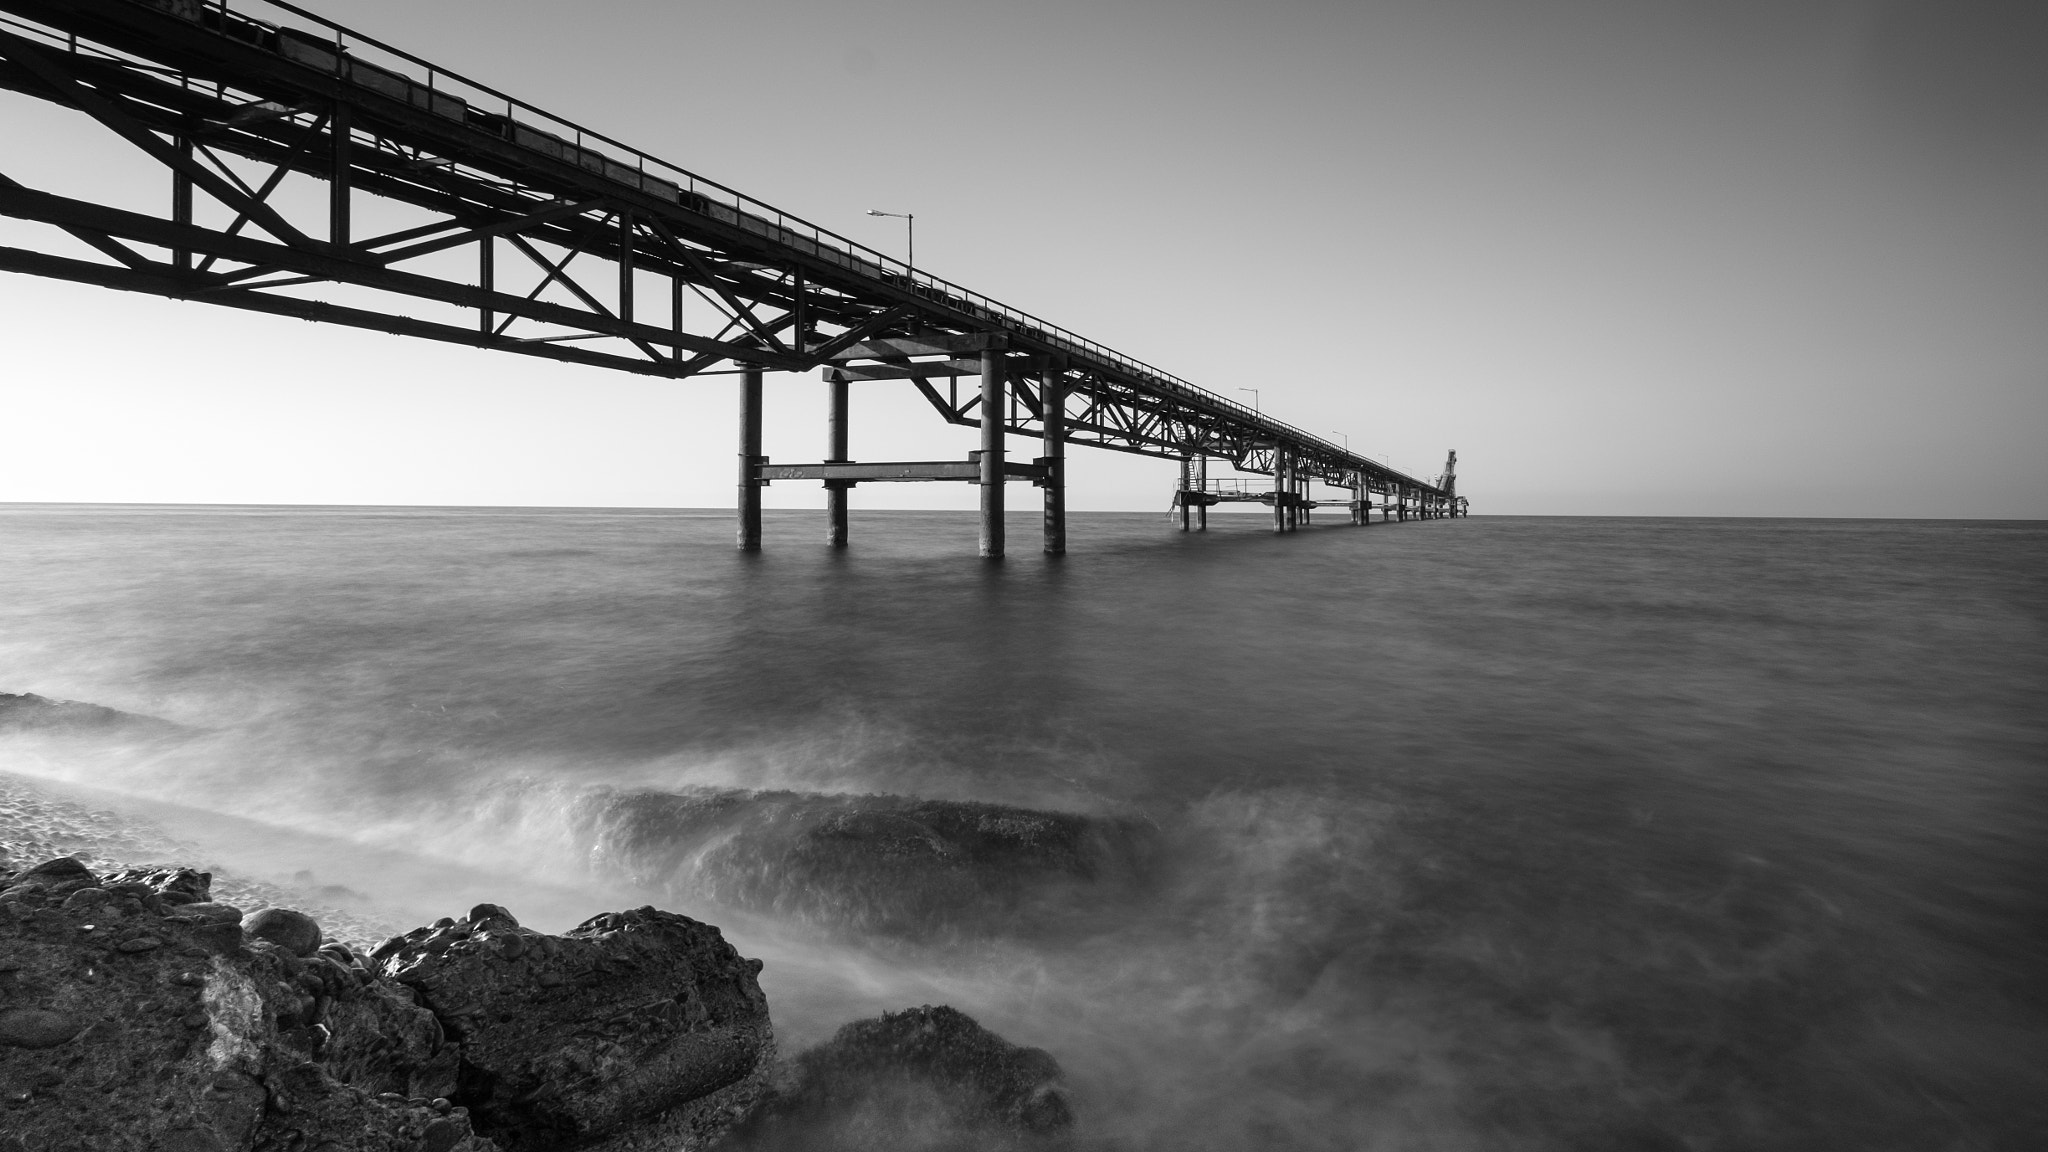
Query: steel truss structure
(500, 226)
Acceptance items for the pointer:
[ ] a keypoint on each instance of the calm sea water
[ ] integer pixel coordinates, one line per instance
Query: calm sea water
(1490, 833)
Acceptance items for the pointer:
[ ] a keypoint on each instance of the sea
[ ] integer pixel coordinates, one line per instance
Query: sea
(1488, 833)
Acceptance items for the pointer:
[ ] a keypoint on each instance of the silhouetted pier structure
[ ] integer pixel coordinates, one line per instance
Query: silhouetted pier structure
(247, 106)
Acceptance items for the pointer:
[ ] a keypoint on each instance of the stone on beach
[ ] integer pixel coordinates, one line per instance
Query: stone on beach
(568, 1038)
(137, 1016)
(924, 1077)
(295, 932)
(129, 1025)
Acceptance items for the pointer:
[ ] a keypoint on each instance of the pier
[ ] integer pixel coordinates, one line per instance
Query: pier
(536, 236)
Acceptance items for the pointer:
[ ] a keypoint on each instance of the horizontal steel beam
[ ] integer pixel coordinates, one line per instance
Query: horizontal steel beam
(852, 472)
(926, 369)
(933, 344)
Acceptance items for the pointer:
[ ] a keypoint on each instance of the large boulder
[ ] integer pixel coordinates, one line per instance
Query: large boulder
(28, 712)
(899, 865)
(565, 1039)
(131, 1018)
(921, 1080)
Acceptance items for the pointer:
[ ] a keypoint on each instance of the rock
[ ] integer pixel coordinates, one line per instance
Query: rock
(584, 1034)
(383, 1042)
(51, 880)
(295, 932)
(491, 914)
(170, 885)
(337, 1117)
(37, 1028)
(869, 863)
(108, 1045)
(28, 712)
(923, 1078)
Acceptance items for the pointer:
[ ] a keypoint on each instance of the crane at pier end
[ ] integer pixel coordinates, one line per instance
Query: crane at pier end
(504, 227)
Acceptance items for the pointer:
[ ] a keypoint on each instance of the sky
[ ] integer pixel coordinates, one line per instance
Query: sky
(1627, 257)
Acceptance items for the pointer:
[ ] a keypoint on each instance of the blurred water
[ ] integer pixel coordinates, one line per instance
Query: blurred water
(1489, 833)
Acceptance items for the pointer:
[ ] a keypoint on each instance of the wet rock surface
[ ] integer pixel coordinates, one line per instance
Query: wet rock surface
(28, 712)
(921, 1080)
(138, 1012)
(289, 929)
(128, 1021)
(871, 863)
(567, 1038)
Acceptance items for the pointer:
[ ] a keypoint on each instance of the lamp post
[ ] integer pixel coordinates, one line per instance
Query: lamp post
(1255, 399)
(910, 229)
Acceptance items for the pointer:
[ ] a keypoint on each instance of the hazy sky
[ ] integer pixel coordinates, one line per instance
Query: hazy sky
(1627, 256)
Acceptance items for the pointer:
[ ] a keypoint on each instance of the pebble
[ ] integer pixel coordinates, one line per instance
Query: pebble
(139, 944)
(483, 912)
(295, 932)
(194, 1020)
(37, 1028)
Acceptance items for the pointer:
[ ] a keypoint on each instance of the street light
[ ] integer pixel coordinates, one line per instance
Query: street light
(1347, 443)
(910, 227)
(1255, 398)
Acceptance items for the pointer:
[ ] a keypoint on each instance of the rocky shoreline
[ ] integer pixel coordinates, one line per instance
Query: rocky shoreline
(138, 1013)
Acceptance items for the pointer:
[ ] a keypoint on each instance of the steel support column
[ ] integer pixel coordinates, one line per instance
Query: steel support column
(1187, 470)
(1279, 488)
(338, 177)
(750, 458)
(992, 453)
(837, 492)
(1053, 402)
(487, 282)
(1202, 509)
(1293, 510)
(181, 202)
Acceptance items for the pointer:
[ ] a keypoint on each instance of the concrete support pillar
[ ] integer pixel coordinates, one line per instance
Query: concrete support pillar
(1279, 489)
(750, 458)
(837, 492)
(1202, 509)
(992, 399)
(1053, 402)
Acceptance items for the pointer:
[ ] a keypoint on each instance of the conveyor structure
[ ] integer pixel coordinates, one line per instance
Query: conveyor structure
(525, 233)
